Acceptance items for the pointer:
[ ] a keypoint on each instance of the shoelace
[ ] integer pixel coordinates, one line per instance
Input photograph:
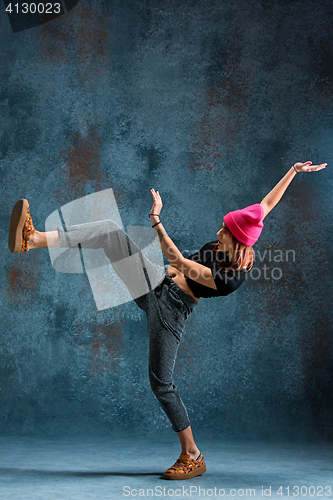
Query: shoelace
(183, 461)
(180, 463)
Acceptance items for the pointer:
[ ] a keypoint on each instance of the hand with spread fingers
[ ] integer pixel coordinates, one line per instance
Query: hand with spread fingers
(308, 167)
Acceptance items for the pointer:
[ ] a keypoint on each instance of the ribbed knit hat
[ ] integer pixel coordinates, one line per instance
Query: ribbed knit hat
(246, 224)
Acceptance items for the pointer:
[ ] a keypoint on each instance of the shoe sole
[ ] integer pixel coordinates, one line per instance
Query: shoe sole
(17, 221)
(196, 472)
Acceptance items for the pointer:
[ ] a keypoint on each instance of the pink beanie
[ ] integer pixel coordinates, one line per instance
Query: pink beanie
(246, 224)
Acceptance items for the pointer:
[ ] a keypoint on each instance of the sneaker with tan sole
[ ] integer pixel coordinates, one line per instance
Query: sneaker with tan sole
(186, 468)
(21, 227)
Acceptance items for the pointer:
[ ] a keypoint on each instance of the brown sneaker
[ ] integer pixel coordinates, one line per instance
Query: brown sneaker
(186, 468)
(21, 227)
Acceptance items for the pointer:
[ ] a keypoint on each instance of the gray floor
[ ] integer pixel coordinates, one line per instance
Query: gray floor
(103, 468)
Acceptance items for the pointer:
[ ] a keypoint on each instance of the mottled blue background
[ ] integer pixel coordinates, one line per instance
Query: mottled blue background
(210, 102)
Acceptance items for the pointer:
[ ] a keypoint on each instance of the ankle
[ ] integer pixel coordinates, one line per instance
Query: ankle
(33, 241)
(37, 240)
(193, 452)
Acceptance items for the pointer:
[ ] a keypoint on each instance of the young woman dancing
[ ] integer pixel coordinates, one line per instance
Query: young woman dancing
(218, 269)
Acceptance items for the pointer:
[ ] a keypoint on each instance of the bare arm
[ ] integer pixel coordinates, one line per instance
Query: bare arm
(274, 196)
(193, 270)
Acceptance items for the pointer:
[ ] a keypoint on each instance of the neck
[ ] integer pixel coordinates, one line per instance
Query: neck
(229, 256)
(227, 252)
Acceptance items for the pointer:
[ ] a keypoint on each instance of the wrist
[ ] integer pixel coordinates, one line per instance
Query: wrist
(154, 218)
(295, 169)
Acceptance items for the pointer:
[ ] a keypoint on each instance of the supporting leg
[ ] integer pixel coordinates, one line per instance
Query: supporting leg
(188, 444)
(163, 348)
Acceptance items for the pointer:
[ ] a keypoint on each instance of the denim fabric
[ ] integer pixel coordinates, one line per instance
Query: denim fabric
(167, 306)
(138, 273)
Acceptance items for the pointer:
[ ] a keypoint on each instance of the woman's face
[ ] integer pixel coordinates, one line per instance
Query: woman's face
(225, 239)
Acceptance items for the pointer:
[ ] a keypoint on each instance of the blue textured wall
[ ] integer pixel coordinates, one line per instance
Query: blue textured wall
(209, 102)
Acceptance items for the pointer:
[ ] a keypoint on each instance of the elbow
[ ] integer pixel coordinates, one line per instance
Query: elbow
(178, 261)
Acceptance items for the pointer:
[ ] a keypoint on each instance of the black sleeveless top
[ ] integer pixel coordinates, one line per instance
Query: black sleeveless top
(226, 281)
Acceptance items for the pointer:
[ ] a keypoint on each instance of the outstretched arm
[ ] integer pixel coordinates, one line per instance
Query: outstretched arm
(274, 196)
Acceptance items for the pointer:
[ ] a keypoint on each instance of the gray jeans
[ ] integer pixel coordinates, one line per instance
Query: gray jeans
(166, 305)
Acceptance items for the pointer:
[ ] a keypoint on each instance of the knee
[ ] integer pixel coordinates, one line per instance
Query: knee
(111, 225)
(106, 227)
(158, 386)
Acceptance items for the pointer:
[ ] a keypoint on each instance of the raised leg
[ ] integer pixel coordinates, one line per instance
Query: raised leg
(44, 240)
(138, 273)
